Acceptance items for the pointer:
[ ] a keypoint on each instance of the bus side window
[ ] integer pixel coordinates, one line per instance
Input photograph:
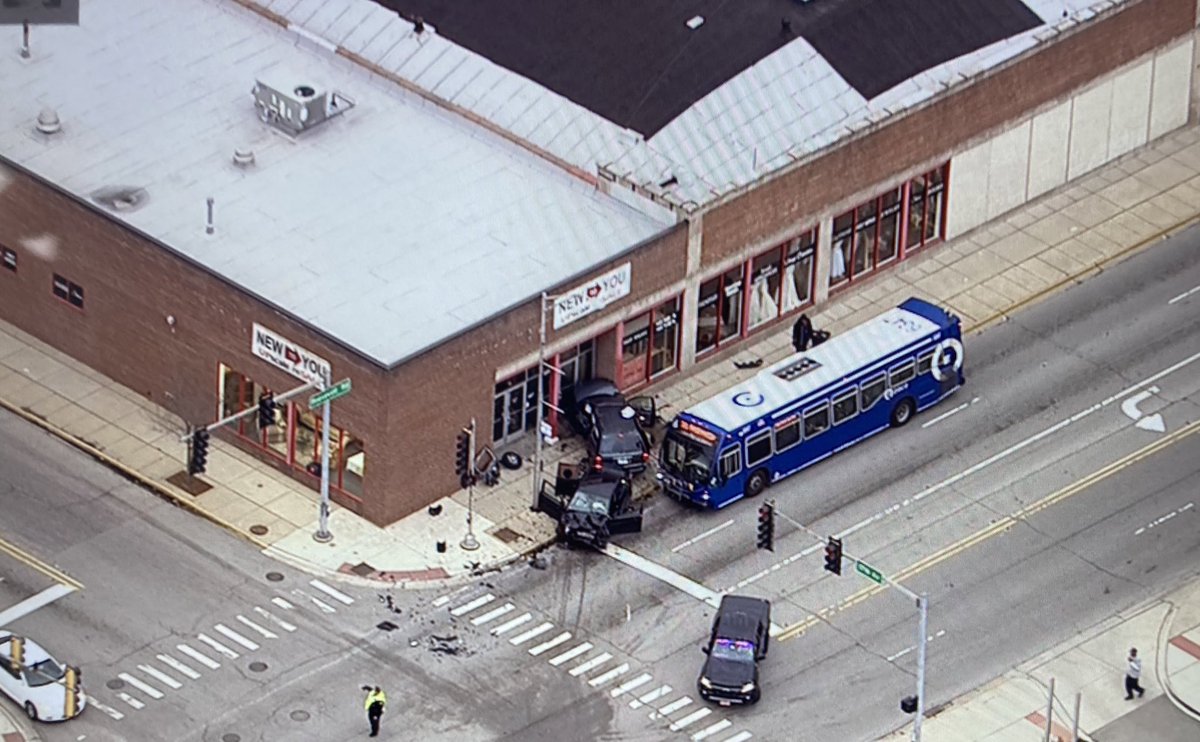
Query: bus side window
(872, 391)
(845, 406)
(924, 363)
(816, 420)
(758, 448)
(900, 373)
(787, 434)
(731, 462)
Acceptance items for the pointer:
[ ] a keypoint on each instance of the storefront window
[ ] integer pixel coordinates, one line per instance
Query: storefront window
(934, 204)
(889, 226)
(665, 341)
(708, 312)
(731, 302)
(926, 208)
(797, 273)
(353, 465)
(237, 392)
(764, 288)
(864, 237)
(916, 212)
(514, 406)
(843, 232)
(635, 348)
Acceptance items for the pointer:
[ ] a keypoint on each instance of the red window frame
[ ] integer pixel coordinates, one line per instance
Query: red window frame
(648, 373)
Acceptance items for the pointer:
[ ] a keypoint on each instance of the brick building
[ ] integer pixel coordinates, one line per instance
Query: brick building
(394, 195)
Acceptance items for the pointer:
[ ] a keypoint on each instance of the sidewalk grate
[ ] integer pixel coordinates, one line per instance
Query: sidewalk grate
(506, 534)
(188, 483)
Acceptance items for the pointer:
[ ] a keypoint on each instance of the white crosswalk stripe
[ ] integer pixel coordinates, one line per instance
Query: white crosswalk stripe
(690, 719)
(200, 657)
(535, 631)
(218, 646)
(740, 737)
(117, 715)
(151, 691)
(492, 614)
(337, 595)
(133, 702)
(472, 605)
(233, 635)
(650, 697)
(591, 664)
(282, 603)
(161, 676)
(544, 646)
(266, 634)
(178, 666)
(616, 672)
(570, 654)
(274, 619)
(709, 731)
(671, 707)
(325, 607)
(629, 685)
(439, 602)
(512, 624)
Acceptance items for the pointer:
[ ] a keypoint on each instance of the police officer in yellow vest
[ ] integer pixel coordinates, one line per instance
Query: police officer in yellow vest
(376, 700)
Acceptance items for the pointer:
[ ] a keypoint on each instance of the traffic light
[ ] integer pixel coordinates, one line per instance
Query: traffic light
(266, 409)
(766, 526)
(908, 704)
(833, 555)
(462, 454)
(199, 452)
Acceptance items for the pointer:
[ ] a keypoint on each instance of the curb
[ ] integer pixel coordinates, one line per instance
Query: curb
(24, 732)
(1162, 673)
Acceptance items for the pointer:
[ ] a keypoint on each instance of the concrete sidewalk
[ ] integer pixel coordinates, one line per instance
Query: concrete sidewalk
(1057, 240)
(13, 725)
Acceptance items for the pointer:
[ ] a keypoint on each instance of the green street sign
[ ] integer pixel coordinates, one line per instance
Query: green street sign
(340, 389)
(869, 572)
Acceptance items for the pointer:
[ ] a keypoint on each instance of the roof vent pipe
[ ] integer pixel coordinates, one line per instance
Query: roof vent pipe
(243, 157)
(48, 122)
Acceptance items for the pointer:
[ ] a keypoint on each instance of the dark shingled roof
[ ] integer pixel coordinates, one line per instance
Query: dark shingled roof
(637, 64)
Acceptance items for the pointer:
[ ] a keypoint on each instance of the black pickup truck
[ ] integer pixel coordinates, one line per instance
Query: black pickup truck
(591, 509)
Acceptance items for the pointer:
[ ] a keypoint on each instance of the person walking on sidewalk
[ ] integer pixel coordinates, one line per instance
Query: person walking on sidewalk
(374, 704)
(802, 333)
(1133, 674)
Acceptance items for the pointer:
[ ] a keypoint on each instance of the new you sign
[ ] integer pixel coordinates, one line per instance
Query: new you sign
(592, 296)
(283, 353)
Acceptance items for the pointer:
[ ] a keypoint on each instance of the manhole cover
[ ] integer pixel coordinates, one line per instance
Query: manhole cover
(362, 569)
(188, 483)
(275, 577)
(258, 530)
(300, 715)
(231, 737)
(506, 534)
(115, 684)
(258, 666)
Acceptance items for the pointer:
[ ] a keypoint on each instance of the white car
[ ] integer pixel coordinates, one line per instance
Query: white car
(40, 684)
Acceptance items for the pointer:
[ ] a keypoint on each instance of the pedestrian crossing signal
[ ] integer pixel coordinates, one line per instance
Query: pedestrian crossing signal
(199, 455)
(833, 555)
(766, 526)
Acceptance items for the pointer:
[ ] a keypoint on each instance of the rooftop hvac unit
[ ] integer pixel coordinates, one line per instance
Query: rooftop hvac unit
(293, 105)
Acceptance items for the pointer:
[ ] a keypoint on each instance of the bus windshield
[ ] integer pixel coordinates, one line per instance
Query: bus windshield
(687, 458)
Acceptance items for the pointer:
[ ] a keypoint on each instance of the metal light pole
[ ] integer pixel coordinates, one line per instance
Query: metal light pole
(469, 542)
(923, 605)
(323, 535)
(541, 366)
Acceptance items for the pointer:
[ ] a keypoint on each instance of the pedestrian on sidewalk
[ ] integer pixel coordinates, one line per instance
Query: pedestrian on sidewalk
(1132, 674)
(374, 704)
(802, 333)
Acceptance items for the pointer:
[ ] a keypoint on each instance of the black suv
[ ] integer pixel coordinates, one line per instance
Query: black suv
(613, 426)
(740, 637)
(591, 509)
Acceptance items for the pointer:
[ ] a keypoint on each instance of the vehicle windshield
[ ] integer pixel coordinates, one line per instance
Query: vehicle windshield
(728, 649)
(687, 458)
(587, 502)
(44, 673)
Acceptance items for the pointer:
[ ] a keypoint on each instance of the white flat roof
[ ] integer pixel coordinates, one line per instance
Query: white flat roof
(389, 228)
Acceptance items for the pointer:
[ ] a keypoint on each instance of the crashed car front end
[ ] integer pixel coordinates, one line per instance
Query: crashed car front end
(584, 528)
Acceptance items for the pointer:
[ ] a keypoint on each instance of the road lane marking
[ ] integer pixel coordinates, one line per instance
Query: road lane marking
(1164, 519)
(544, 646)
(616, 672)
(472, 605)
(117, 715)
(998, 527)
(702, 536)
(591, 664)
(535, 631)
(160, 676)
(250, 624)
(945, 415)
(672, 578)
(200, 657)
(178, 666)
(493, 614)
(135, 703)
(709, 731)
(151, 691)
(570, 654)
(509, 625)
(218, 646)
(29, 560)
(671, 707)
(629, 685)
(32, 603)
(690, 719)
(650, 697)
(1183, 296)
(906, 650)
(273, 619)
(231, 634)
(334, 593)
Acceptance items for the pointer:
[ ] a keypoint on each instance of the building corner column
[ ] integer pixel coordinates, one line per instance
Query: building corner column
(691, 292)
(823, 261)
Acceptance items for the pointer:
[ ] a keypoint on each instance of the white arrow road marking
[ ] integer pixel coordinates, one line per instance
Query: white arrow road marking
(1153, 423)
(535, 631)
(690, 719)
(650, 697)
(591, 664)
(117, 715)
(617, 671)
(544, 646)
(218, 646)
(707, 732)
(135, 703)
(160, 676)
(198, 656)
(277, 621)
(1145, 422)
(514, 623)
(1164, 519)
(231, 634)
(154, 693)
(472, 605)
(265, 633)
(570, 654)
(493, 614)
(331, 592)
(629, 685)
(178, 666)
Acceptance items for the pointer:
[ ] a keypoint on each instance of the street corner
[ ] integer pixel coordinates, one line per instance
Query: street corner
(1181, 672)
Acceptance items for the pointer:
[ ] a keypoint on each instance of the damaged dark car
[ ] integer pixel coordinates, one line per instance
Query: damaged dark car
(591, 509)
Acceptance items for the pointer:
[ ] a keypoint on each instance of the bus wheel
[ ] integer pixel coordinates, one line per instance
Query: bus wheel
(902, 412)
(756, 483)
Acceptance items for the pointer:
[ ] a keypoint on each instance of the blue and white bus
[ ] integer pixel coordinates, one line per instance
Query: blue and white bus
(813, 404)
